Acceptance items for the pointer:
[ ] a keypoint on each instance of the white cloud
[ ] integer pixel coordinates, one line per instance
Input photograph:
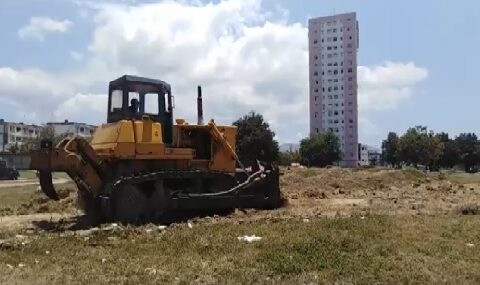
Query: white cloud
(88, 108)
(244, 57)
(383, 87)
(38, 27)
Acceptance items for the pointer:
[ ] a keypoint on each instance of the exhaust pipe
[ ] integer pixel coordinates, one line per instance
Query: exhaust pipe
(199, 106)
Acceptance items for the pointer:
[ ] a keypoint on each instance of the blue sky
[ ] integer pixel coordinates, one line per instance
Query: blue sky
(72, 66)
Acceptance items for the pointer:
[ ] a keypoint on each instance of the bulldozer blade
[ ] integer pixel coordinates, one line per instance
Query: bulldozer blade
(46, 184)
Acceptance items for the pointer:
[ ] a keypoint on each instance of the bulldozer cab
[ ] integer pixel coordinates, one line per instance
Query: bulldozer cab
(133, 98)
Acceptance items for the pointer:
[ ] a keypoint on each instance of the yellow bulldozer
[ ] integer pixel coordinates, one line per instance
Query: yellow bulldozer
(140, 166)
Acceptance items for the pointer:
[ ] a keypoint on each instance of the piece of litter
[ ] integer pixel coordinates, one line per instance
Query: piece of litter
(9, 266)
(190, 225)
(161, 228)
(148, 231)
(20, 236)
(362, 218)
(104, 260)
(47, 251)
(36, 261)
(249, 238)
(306, 220)
(470, 245)
(21, 265)
(151, 271)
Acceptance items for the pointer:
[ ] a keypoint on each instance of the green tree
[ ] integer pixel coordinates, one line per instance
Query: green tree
(390, 150)
(420, 146)
(14, 148)
(451, 153)
(46, 133)
(255, 139)
(320, 150)
(468, 146)
(289, 157)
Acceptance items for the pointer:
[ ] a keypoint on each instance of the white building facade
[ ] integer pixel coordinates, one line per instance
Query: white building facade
(333, 45)
(16, 134)
(72, 128)
(363, 158)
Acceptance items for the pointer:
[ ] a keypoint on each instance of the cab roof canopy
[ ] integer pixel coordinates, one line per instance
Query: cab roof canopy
(127, 79)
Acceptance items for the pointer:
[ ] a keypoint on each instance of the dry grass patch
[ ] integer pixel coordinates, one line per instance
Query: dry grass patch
(373, 250)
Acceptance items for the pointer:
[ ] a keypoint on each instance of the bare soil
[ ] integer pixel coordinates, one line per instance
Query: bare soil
(338, 226)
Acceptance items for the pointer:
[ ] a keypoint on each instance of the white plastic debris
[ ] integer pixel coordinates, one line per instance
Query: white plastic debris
(190, 225)
(362, 218)
(104, 260)
(9, 266)
(251, 238)
(306, 220)
(36, 261)
(470, 245)
(151, 271)
(110, 227)
(162, 228)
(47, 251)
(148, 231)
(20, 265)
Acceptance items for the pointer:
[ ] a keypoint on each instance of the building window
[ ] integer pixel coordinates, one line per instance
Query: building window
(315, 73)
(350, 70)
(316, 129)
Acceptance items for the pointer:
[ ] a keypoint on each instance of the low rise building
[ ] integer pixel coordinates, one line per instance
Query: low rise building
(363, 155)
(72, 128)
(15, 134)
(374, 156)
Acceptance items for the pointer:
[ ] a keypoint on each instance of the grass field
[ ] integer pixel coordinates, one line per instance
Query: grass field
(432, 243)
(373, 250)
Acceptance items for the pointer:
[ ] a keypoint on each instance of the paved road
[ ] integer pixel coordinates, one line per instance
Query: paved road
(27, 182)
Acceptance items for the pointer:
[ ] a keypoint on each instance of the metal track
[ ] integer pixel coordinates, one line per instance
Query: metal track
(175, 174)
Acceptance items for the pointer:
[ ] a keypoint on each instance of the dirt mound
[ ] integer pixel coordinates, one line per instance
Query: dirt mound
(42, 204)
(325, 182)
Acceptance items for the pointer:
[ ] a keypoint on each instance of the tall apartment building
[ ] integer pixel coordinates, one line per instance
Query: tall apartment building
(333, 45)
